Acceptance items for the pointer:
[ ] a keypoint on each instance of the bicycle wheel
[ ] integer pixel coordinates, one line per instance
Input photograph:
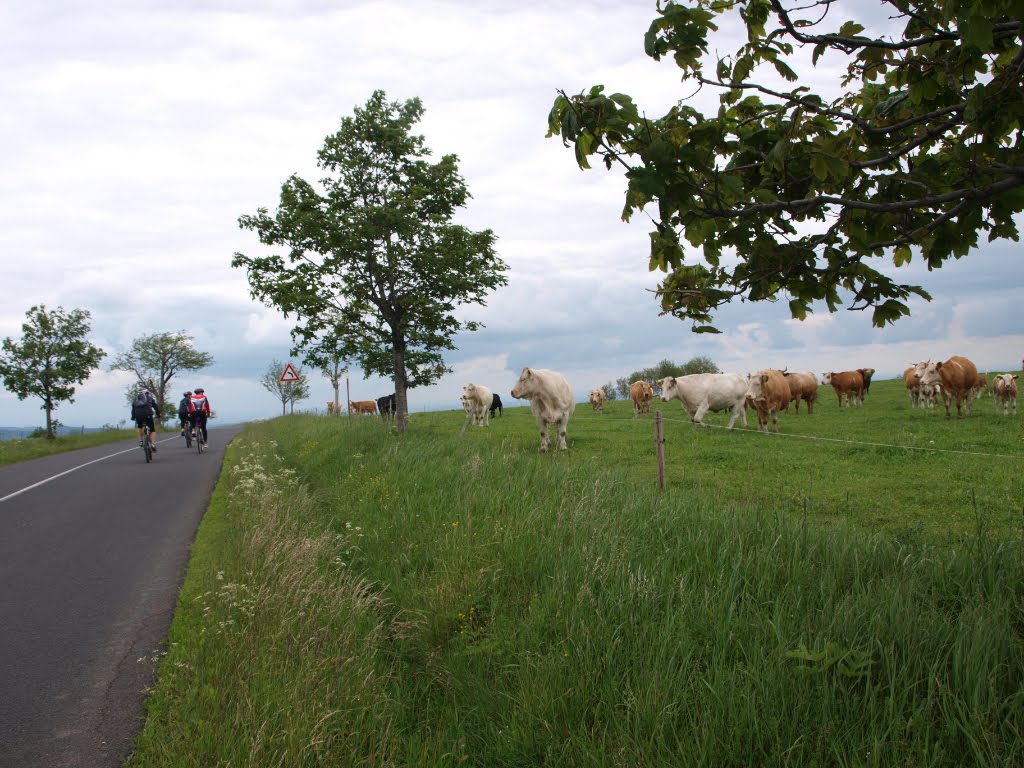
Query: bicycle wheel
(188, 436)
(199, 439)
(147, 447)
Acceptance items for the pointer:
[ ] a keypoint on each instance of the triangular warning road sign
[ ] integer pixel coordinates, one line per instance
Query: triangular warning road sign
(289, 374)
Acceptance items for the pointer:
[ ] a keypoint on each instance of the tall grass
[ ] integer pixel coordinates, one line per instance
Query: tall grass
(362, 598)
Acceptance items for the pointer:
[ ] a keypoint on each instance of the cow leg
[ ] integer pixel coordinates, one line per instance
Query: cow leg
(810, 407)
(562, 425)
(775, 420)
(543, 437)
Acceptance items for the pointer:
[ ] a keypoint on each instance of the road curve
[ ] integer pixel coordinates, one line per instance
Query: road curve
(93, 550)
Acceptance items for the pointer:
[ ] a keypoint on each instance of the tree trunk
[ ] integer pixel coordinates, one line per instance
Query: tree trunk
(284, 406)
(401, 400)
(49, 418)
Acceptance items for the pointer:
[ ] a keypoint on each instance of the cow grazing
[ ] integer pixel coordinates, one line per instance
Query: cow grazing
(1004, 392)
(362, 406)
(551, 401)
(597, 398)
(802, 386)
(703, 392)
(496, 405)
(847, 384)
(386, 405)
(956, 376)
(476, 399)
(768, 393)
(641, 393)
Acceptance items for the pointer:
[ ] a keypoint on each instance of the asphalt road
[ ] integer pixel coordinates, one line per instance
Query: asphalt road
(91, 562)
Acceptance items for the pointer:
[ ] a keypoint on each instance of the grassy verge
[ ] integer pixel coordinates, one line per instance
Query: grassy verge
(362, 598)
(13, 451)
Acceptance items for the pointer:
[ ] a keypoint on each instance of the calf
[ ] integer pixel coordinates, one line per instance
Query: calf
(597, 398)
(848, 385)
(956, 376)
(551, 401)
(641, 393)
(703, 392)
(802, 386)
(496, 405)
(362, 406)
(980, 387)
(768, 393)
(1004, 392)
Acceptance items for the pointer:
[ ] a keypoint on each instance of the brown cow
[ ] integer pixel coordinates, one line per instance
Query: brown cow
(597, 398)
(767, 393)
(802, 386)
(362, 406)
(867, 373)
(1004, 392)
(956, 376)
(641, 393)
(980, 387)
(848, 384)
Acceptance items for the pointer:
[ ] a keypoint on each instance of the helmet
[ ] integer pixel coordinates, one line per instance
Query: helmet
(187, 393)
(199, 390)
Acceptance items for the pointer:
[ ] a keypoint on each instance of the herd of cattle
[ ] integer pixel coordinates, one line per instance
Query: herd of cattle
(768, 392)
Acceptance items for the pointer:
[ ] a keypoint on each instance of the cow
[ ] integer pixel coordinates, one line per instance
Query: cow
(980, 387)
(551, 401)
(641, 393)
(476, 399)
(912, 382)
(362, 406)
(802, 386)
(597, 398)
(496, 405)
(386, 405)
(867, 373)
(332, 408)
(768, 393)
(703, 392)
(956, 376)
(847, 384)
(1004, 392)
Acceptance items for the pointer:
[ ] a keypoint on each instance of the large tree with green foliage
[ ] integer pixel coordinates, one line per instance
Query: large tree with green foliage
(372, 254)
(155, 360)
(52, 356)
(798, 194)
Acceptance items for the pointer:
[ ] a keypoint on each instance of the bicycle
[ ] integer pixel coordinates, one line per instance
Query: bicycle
(188, 434)
(200, 442)
(147, 447)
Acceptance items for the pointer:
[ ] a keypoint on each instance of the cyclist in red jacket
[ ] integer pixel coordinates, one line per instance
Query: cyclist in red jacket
(199, 412)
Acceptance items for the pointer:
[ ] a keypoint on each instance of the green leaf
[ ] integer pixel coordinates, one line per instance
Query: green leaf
(901, 255)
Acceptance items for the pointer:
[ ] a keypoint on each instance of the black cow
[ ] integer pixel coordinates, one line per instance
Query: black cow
(386, 405)
(496, 405)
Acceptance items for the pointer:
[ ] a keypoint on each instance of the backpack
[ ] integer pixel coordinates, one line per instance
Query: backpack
(141, 406)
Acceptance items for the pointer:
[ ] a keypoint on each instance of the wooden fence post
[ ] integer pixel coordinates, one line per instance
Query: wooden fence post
(659, 448)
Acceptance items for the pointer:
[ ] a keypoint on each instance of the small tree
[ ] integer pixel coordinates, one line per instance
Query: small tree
(51, 356)
(326, 355)
(285, 391)
(155, 360)
(610, 391)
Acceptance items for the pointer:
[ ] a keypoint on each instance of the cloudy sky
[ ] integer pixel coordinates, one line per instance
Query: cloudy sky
(133, 139)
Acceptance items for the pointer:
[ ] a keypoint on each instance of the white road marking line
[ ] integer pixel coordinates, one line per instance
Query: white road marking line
(45, 480)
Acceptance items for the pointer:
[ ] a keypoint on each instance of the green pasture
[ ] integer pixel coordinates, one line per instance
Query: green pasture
(23, 449)
(849, 592)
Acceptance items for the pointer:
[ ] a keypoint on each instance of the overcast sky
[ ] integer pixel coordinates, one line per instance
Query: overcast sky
(134, 138)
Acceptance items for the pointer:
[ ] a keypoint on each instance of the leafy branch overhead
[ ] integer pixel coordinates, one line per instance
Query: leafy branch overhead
(788, 192)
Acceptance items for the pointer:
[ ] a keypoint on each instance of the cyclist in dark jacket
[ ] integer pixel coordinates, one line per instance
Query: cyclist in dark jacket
(183, 412)
(144, 406)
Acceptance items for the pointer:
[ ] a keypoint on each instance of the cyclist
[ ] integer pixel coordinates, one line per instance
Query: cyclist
(199, 410)
(144, 406)
(183, 412)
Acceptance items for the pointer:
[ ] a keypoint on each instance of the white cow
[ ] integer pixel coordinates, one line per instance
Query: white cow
(1004, 391)
(703, 392)
(551, 401)
(597, 398)
(477, 398)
